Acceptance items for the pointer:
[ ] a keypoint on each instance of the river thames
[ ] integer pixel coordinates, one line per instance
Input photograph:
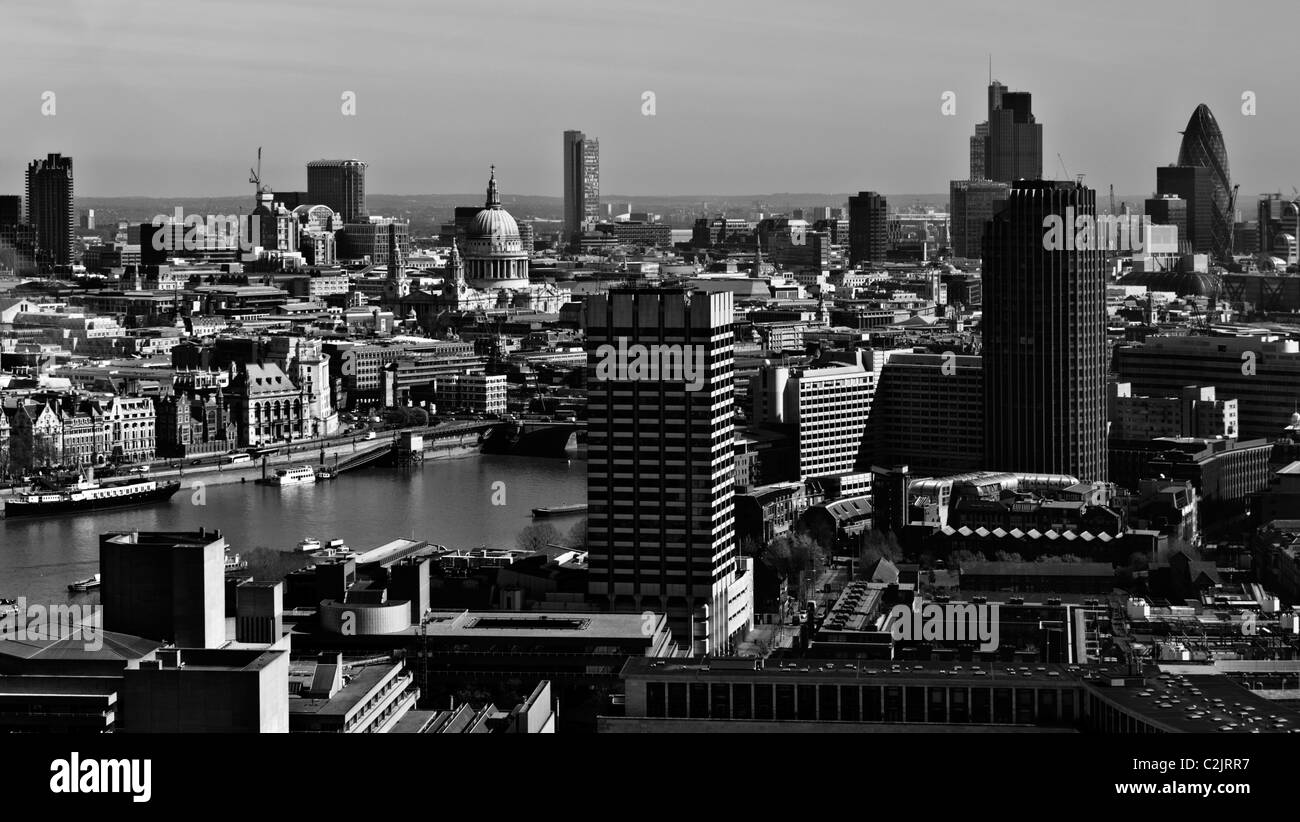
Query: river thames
(449, 501)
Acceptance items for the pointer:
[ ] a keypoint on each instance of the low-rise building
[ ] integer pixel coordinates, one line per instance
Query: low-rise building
(208, 690)
(329, 696)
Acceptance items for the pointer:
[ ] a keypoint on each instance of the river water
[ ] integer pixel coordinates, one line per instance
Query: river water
(450, 502)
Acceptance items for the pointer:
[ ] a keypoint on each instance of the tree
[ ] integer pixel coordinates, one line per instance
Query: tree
(1004, 556)
(577, 537)
(266, 565)
(877, 545)
(963, 557)
(537, 537)
(20, 453)
(405, 416)
(790, 555)
(44, 450)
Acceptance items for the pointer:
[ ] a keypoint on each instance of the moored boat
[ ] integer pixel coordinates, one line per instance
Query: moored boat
(560, 510)
(82, 585)
(297, 475)
(88, 495)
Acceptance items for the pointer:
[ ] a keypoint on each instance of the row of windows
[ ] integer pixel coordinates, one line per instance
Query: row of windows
(866, 703)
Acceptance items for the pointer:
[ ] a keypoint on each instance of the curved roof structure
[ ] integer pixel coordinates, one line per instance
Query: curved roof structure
(494, 250)
(493, 232)
(1177, 282)
(1202, 145)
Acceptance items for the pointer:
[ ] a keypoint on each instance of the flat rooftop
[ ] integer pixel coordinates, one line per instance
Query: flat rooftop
(1202, 704)
(359, 683)
(863, 672)
(527, 624)
(391, 551)
(176, 539)
(220, 659)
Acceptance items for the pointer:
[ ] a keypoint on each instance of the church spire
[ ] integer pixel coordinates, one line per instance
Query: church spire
(457, 269)
(493, 196)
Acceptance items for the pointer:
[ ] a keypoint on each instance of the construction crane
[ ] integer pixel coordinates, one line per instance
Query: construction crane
(255, 175)
(1078, 178)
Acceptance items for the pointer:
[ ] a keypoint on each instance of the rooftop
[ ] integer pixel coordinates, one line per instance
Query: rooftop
(516, 625)
(881, 671)
(1201, 704)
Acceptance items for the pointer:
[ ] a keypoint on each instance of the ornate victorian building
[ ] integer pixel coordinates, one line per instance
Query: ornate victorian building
(268, 407)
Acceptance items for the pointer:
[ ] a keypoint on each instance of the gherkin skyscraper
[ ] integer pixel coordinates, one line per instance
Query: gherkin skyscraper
(1202, 146)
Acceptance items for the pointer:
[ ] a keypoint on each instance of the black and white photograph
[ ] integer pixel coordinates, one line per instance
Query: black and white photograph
(596, 370)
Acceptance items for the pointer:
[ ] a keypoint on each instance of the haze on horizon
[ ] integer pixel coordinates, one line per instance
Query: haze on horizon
(173, 98)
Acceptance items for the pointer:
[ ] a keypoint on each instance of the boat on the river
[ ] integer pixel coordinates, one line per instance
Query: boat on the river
(297, 475)
(559, 510)
(81, 586)
(89, 495)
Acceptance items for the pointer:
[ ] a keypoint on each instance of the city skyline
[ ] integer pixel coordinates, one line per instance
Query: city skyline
(765, 112)
(323, 451)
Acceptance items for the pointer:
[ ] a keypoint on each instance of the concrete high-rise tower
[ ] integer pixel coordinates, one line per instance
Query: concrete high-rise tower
(581, 181)
(1044, 336)
(661, 467)
(868, 228)
(341, 185)
(51, 208)
(167, 586)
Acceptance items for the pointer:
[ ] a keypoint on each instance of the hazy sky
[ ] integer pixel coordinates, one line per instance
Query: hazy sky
(173, 97)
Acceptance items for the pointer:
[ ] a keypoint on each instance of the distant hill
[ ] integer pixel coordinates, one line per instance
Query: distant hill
(427, 211)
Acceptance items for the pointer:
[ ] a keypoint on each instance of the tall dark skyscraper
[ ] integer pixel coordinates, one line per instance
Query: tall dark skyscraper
(661, 466)
(1012, 139)
(1170, 209)
(1202, 147)
(1278, 215)
(11, 210)
(341, 185)
(51, 208)
(978, 146)
(1195, 186)
(972, 203)
(1044, 337)
(581, 180)
(868, 228)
